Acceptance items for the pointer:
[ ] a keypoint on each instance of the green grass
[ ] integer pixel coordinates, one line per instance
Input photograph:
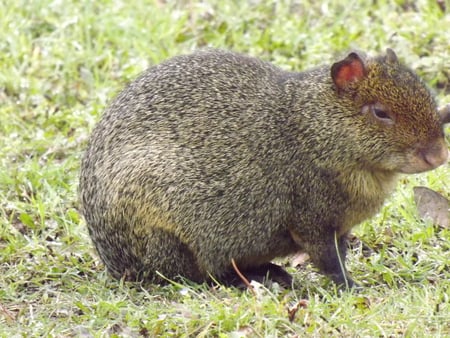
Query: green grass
(61, 61)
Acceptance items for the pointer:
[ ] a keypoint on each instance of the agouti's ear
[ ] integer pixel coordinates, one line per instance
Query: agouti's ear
(391, 57)
(444, 114)
(347, 71)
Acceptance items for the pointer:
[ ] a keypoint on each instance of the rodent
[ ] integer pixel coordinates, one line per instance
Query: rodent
(217, 156)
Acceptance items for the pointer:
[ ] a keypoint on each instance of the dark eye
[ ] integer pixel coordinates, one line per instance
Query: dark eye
(381, 114)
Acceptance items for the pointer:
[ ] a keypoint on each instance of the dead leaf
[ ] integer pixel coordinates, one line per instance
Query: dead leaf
(244, 331)
(442, 5)
(299, 259)
(433, 206)
(444, 113)
(292, 311)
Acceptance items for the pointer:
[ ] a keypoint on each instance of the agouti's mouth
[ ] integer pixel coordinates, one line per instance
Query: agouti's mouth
(428, 157)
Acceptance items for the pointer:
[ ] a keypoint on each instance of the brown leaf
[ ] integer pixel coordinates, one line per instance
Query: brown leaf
(292, 311)
(433, 206)
(299, 259)
(245, 331)
(444, 114)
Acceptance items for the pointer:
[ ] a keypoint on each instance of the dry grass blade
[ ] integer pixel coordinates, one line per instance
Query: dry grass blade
(242, 277)
(10, 317)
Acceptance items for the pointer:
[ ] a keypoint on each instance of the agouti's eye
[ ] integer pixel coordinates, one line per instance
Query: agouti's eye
(380, 113)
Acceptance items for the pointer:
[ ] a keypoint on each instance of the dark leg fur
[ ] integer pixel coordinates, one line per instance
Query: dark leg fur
(325, 257)
(261, 274)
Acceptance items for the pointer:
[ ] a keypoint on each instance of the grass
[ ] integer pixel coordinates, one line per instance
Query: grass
(61, 61)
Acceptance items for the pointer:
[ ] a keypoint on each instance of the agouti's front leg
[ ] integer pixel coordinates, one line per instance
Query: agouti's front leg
(328, 255)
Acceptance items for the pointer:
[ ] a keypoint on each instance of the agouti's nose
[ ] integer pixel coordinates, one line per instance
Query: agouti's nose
(436, 154)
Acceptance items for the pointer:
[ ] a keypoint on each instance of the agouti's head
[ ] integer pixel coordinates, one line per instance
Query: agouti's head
(396, 113)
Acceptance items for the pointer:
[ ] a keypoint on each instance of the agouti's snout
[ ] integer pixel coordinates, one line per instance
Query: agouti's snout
(429, 157)
(436, 155)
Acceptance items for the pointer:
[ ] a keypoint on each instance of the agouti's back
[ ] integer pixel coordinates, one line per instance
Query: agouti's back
(217, 156)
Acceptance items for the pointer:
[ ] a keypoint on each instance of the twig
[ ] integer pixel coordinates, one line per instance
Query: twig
(242, 277)
(8, 314)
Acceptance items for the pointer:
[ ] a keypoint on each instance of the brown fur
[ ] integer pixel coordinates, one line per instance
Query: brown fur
(217, 156)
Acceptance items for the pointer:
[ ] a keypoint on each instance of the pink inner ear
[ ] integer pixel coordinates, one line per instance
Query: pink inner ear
(350, 72)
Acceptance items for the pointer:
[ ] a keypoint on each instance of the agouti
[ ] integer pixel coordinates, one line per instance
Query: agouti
(216, 156)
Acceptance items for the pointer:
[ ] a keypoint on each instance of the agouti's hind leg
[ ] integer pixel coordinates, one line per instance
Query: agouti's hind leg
(261, 274)
(165, 253)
